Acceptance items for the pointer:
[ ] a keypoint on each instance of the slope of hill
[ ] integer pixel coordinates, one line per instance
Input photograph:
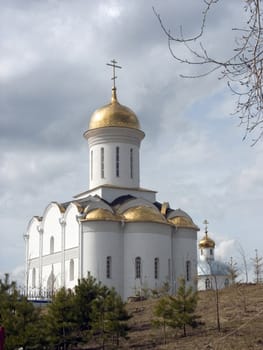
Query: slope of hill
(240, 314)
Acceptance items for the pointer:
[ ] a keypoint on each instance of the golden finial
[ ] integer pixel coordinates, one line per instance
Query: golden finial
(114, 65)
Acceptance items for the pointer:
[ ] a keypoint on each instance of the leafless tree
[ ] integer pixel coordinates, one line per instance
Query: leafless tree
(242, 70)
(214, 286)
(244, 261)
(233, 270)
(258, 267)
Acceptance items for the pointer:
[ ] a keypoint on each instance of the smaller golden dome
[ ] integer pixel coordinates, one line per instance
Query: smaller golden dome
(180, 218)
(101, 214)
(144, 214)
(114, 114)
(206, 242)
(182, 221)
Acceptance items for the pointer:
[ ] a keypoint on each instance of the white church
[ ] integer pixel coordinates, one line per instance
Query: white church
(116, 231)
(212, 273)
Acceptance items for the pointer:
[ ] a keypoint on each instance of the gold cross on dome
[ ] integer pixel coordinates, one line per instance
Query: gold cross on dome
(206, 225)
(114, 65)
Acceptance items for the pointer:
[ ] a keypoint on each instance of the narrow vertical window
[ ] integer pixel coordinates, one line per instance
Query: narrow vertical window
(169, 269)
(91, 165)
(138, 267)
(102, 162)
(131, 163)
(117, 161)
(108, 266)
(211, 251)
(156, 268)
(188, 270)
(202, 252)
(71, 270)
(34, 278)
(51, 283)
(207, 283)
(51, 245)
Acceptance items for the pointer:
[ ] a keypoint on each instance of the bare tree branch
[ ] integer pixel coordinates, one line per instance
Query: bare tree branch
(243, 71)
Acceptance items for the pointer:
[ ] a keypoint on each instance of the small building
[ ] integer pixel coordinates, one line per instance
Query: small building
(212, 274)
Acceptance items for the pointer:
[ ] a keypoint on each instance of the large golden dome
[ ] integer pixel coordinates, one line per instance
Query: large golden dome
(101, 214)
(142, 213)
(114, 114)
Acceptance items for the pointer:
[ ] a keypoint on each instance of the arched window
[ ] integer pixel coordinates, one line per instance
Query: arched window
(211, 251)
(108, 266)
(34, 278)
(202, 252)
(117, 161)
(138, 267)
(188, 270)
(102, 162)
(156, 268)
(51, 245)
(51, 283)
(207, 283)
(131, 163)
(226, 282)
(71, 270)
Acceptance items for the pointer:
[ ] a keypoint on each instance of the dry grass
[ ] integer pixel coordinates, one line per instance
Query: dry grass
(241, 318)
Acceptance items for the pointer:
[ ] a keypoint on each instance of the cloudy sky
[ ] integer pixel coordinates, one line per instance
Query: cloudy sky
(53, 75)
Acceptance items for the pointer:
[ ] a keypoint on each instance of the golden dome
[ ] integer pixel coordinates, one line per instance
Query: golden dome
(101, 214)
(114, 114)
(180, 218)
(206, 242)
(182, 221)
(144, 214)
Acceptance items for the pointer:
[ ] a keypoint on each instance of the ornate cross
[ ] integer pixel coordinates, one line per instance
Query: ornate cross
(206, 226)
(113, 65)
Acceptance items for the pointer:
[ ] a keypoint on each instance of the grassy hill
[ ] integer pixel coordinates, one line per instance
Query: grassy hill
(241, 319)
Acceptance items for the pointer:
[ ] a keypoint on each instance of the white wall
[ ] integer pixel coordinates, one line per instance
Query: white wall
(46, 273)
(147, 241)
(51, 227)
(102, 239)
(185, 249)
(71, 283)
(110, 138)
(71, 227)
(33, 239)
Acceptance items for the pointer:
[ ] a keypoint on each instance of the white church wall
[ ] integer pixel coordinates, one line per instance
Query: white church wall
(33, 239)
(201, 284)
(71, 227)
(185, 252)
(71, 272)
(208, 282)
(146, 241)
(51, 277)
(33, 282)
(51, 228)
(125, 178)
(206, 254)
(102, 240)
(109, 138)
